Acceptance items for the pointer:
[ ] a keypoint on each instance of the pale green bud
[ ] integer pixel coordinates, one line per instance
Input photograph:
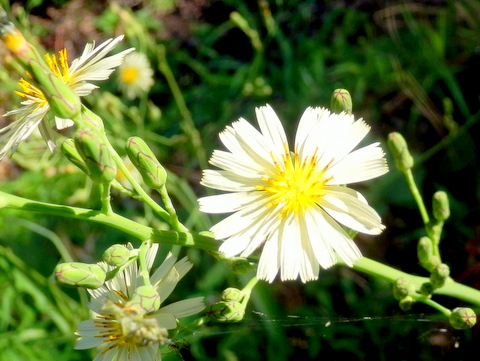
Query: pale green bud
(232, 294)
(425, 254)
(241, 266)
(462, 318)
(145, 298)
(62, 100)
(224, 311)
(439, 275)
(406, 303)
(80, 274)
(92, 121)
(341, 101)
(441, 206)
(401, 155)
(71, 153)
(116, 255)
(153, 174)
(426, 289)
(96, 155)
(402, 288)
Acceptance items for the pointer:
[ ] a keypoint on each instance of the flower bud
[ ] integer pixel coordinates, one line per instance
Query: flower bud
(441, 206)
(426, 289)
(80, 274)
(62, 100)
(71, 153)
(153, 174)
(401, 155)
(116, 255)
(341, 101)
(402, 288)
(241, 266)
(227, 311)
(232, 294)
(145, 298)
(439, 275)
(406, 303)
(462, 318)
(96, 155)
(425, 254)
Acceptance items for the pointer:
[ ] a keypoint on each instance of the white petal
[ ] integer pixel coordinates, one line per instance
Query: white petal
(345, 206)
(165, 319)
(184, 308)
(229, 202)
(361, 165)
(227, 181)
(272, 128)
(268, 265)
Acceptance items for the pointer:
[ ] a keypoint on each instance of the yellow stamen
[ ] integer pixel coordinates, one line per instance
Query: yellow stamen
(129, 75)
(298, 184)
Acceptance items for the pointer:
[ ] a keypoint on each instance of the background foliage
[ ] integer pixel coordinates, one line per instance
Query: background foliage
(411, 67)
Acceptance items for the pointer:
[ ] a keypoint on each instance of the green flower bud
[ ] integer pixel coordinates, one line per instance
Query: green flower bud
(402, 288)
(341, 101)
(425, 254)
(426, 289)
(406, 303)
(62, 100)
(80, 274)
(441, 206)
(241, 266)
(96, 155)
(401, 155)
(116, 255)
(153, 174)
(439, 275)
(92, 121)
(462, 318)
(224, 311)
(71, 153)
(232, 294)
(145, 298)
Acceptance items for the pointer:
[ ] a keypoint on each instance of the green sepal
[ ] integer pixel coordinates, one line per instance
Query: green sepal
(341, 101)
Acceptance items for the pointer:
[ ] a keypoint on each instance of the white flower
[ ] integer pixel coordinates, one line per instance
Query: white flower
(92, 65)
(125, 334)
(291, 200)
(135, 76)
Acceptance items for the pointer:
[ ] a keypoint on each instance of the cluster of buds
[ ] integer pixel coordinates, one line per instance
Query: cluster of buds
(231, 308)
(403, 291)
(86, 275)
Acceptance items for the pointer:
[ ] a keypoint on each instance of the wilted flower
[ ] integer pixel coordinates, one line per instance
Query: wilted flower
(126, 329)
(92, 65)
(293, 201)
(135, 76)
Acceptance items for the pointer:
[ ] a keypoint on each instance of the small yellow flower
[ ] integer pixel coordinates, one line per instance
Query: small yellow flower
(135, 76)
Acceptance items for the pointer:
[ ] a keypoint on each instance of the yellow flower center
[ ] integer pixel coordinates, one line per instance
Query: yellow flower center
(128, 75)
(297, 184)
(58, 67)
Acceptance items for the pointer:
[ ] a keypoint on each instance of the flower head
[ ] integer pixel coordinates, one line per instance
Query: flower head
(123, 328)
(135, 75)
(92, 65)
(293, 201)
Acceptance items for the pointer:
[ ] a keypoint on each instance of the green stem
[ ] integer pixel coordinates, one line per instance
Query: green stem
(105, 198)
(417, 196)
(247, 290)
(174, 222)
(142, 262)
(389, 274)
(433, 304)
(114, 220)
